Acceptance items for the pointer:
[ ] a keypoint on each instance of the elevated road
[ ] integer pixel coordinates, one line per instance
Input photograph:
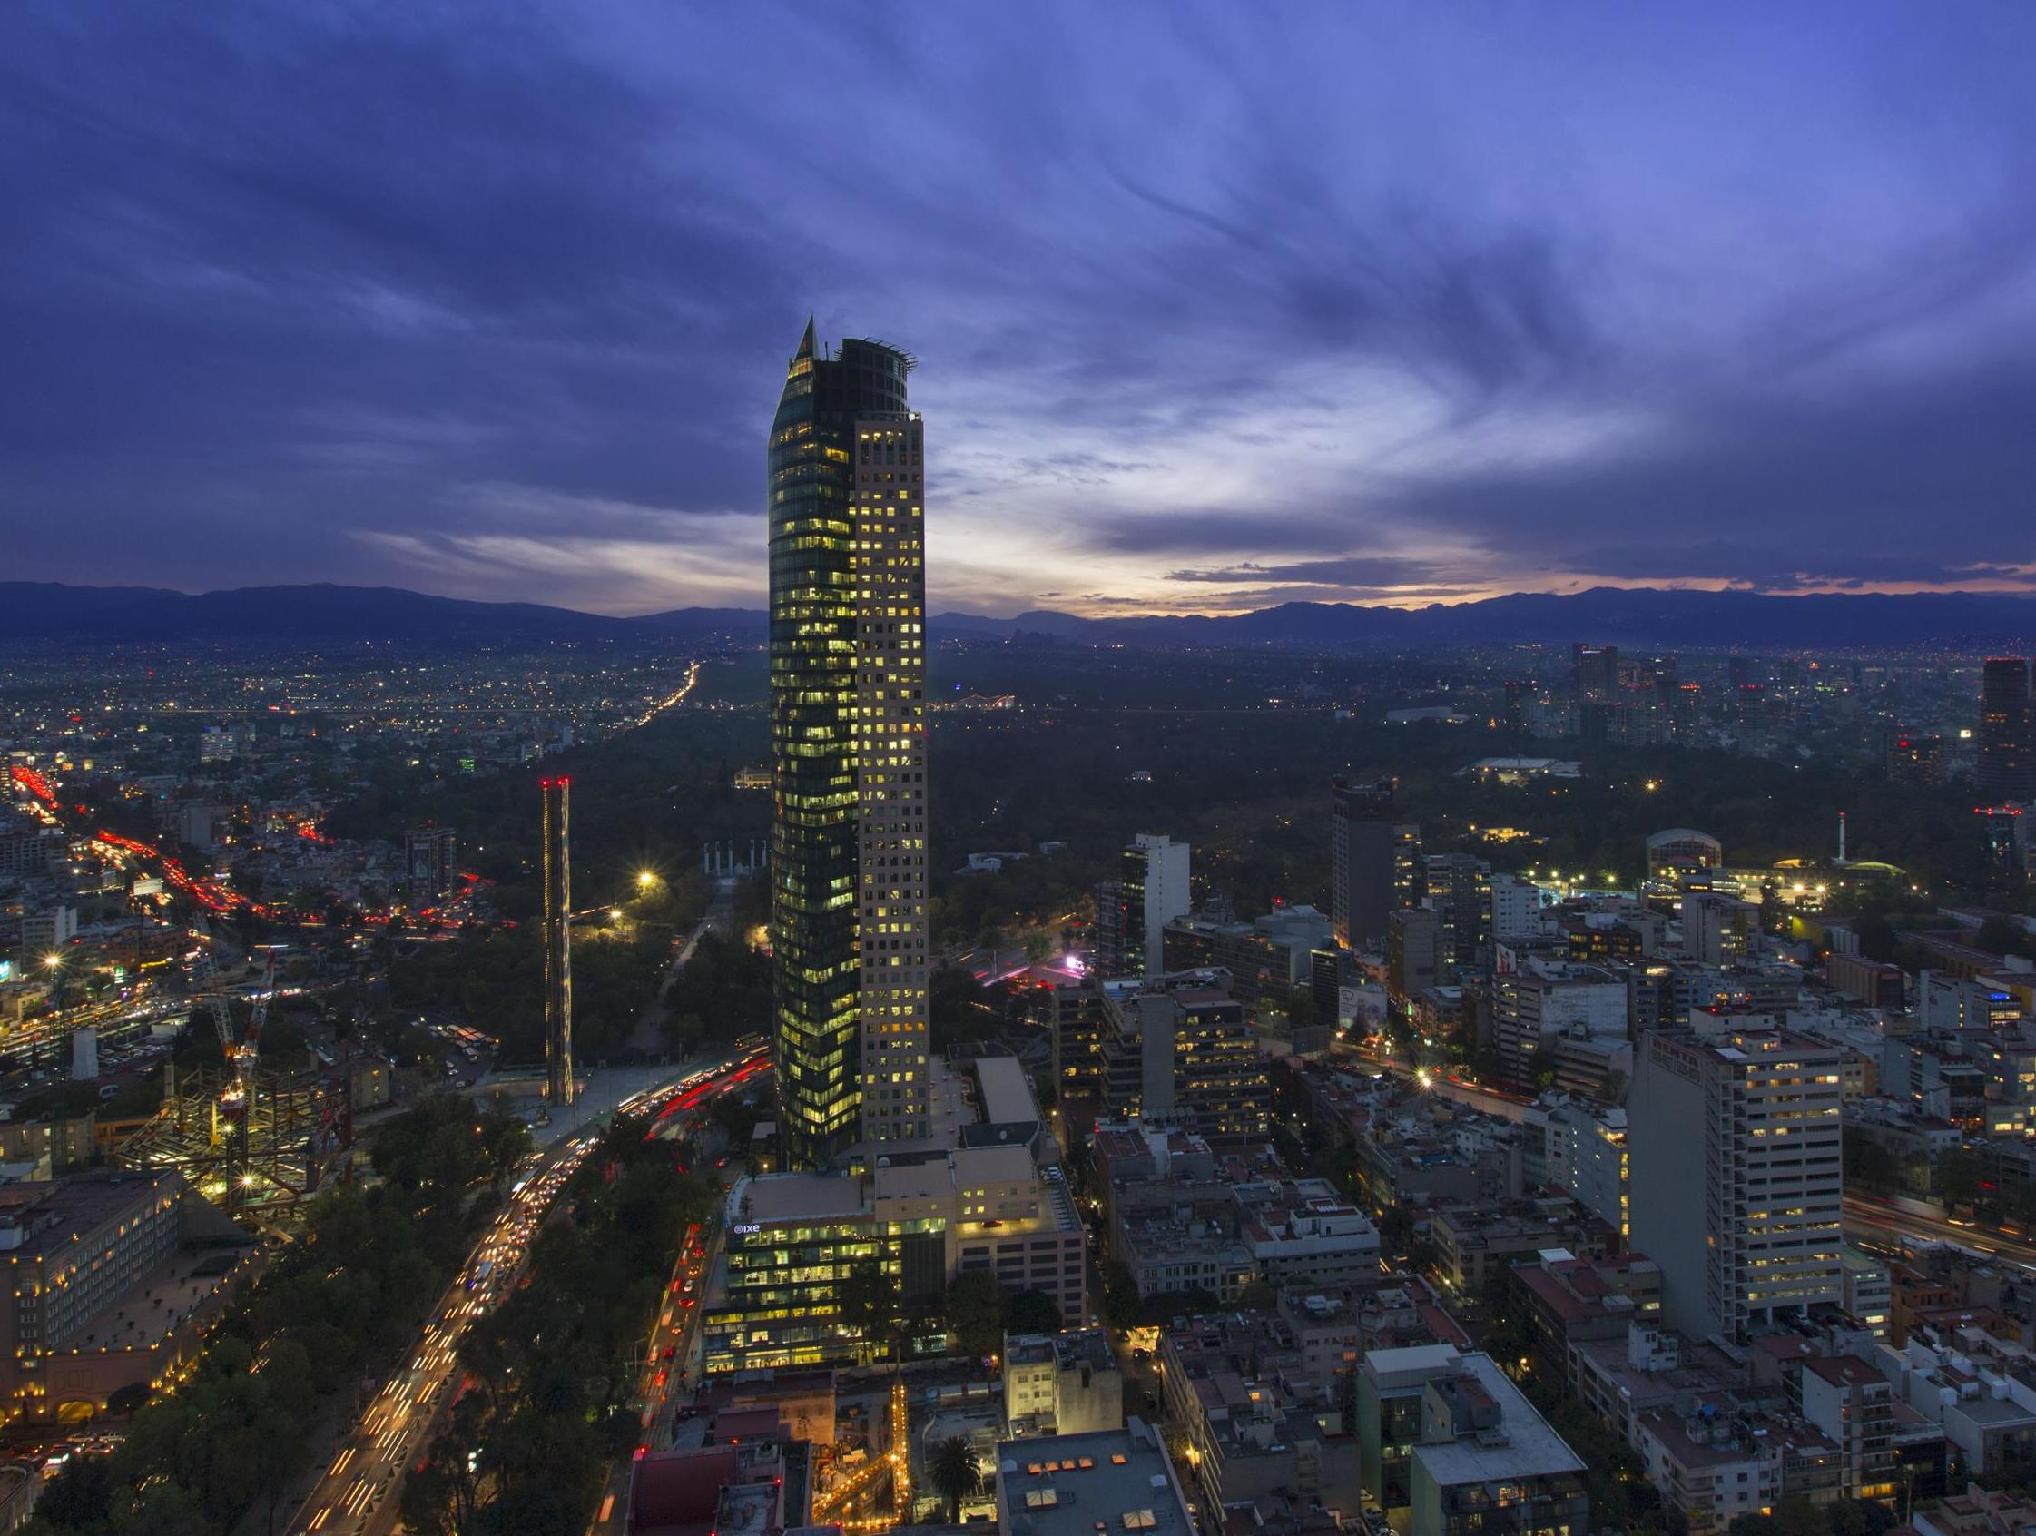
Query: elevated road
(1868, 1217)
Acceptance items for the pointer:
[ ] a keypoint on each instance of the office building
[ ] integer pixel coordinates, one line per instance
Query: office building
(1373, 858)
(1458, 886)
(560, 1087)
(1736, 1157)
(47, 932)
(1185, 1057)
(2004, 844)
(1132, 911)
(1516, 908)
(1413, 955)
(1265, 957)
(2006, 766)
(1718, 929)
(1594, 671)
(431, 858)
(105, 1294)
(1074, 1013)
(848, 748)
(1542, 1001)
(920, 1219)
(1915, 759)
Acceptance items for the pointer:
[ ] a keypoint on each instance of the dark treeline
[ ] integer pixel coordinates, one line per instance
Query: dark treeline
(524, 1450)
(341, 1304)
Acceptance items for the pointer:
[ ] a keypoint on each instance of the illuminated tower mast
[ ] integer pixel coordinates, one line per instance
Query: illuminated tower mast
(848, 751)
(558, 948)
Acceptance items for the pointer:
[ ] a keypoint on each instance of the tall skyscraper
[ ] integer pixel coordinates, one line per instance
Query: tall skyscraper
(1738, 1172)
(2007, 744)
(558, 944)
(848, 749)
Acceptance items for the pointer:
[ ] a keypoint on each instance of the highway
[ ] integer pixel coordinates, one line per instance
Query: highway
(358, 1492)
(1865, 1215)
(357, 1496)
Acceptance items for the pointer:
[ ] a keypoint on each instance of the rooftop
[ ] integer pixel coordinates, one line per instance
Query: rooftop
(154, 1309)
(44, 1217)
(1007, 1093)
(1118, 1482)
(1525, 1447)
(780, 1197)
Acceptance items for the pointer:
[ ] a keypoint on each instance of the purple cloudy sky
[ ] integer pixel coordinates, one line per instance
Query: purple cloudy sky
(1216, 305)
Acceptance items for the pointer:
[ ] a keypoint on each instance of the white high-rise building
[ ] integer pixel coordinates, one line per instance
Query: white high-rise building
(1156, 884)
(890, 752)
(1516, 908)
(1738, 1172)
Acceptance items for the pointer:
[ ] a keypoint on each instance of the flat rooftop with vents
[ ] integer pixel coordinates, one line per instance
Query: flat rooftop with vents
(1117, 1482)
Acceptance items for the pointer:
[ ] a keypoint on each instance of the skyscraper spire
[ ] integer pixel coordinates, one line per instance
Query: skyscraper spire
(806, 342)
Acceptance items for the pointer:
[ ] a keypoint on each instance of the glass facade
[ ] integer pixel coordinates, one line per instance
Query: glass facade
(819, 571)
(781, 1309)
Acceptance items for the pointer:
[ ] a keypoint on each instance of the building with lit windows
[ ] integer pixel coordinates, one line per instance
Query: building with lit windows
(108, 1287)
(919, 1219)
(916, 1218)
(2006, 765)
(848, 753)
(1185, 1057)
(1735, 1148)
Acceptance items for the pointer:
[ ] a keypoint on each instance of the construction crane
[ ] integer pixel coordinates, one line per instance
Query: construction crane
(240, 1054)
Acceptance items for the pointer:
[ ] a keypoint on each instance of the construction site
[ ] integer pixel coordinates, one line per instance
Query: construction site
(254, 1141)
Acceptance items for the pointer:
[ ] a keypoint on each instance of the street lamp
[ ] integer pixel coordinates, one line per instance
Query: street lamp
(646, 879)
(53, 960)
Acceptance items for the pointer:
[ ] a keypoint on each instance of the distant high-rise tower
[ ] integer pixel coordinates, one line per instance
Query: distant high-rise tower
(2007, 754)
(848, 753)
(558, 947)
(1373, 858)
(1595, 670)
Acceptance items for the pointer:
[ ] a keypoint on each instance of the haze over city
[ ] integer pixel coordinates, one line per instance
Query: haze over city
(1221, 307)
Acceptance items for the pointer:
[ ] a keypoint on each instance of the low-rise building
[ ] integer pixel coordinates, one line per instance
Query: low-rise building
(1567, 1301)
(1976, 1512)
(1068, 1485)
(1061, 1384)
(1449, 1445)
(1476, 1246)
(1254, 1424)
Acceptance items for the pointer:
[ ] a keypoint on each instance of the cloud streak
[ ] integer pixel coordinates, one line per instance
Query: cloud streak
(1214, 307)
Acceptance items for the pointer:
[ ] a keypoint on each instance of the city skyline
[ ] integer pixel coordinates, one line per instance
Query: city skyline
(1404, 310)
